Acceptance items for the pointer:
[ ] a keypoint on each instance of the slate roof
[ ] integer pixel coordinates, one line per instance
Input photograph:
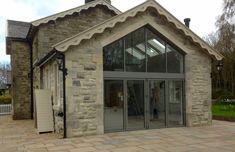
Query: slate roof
(17, 29)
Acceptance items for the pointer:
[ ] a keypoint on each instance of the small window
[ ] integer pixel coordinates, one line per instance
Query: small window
(113, 57)
(55, 92)
(174, 60)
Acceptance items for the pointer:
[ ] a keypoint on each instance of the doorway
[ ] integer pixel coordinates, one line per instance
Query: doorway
(142, 104)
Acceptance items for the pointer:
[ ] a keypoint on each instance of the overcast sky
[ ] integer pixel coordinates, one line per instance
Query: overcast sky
(203, 13)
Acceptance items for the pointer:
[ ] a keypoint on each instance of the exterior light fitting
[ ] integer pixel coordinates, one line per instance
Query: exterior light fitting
(219, 66)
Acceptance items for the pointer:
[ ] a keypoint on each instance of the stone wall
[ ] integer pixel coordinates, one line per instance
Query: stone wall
(198, 88)
(84, 89)
(20, 80)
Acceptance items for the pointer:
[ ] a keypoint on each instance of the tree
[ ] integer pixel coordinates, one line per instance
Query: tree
(223, 40)
(4, 74)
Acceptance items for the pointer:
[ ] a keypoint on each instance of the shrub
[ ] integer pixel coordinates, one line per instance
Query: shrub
(5, 99)
(222, 95)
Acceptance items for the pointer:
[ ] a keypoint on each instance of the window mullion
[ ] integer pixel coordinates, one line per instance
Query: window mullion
(146, 47)
(124, 53)
(166, 57)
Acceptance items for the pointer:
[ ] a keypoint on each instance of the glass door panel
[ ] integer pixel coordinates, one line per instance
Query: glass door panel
(135, 104)
(175, 104)
(156, 104)
(113, 105)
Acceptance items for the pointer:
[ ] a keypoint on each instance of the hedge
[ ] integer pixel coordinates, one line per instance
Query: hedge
(5, 99)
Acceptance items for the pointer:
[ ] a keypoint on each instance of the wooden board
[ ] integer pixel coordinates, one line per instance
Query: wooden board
(44, 111)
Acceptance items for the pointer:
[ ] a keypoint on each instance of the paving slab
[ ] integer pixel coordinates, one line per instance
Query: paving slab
(21, 136)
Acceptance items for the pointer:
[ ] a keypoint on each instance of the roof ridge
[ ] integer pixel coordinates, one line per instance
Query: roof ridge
(73, 10)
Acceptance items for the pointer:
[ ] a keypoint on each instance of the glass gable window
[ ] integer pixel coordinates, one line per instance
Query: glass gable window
(142, 51)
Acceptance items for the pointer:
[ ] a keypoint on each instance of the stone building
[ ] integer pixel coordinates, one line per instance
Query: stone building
(109, 70)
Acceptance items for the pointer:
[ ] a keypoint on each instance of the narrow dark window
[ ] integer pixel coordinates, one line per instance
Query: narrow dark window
(174, 60)
(113, 56)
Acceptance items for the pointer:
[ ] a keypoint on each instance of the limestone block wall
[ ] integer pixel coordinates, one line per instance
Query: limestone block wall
(20, 80)
(84, 89)
(198, 88)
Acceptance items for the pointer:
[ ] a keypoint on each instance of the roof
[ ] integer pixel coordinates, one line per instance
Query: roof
(110, 23)
(17, 29)
(76, 10)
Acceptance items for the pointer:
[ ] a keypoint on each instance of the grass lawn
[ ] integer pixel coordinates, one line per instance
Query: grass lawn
(223, 109)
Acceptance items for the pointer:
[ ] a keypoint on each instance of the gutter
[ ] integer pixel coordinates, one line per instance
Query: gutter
(31, 76)
(29, 40)
(64, 70)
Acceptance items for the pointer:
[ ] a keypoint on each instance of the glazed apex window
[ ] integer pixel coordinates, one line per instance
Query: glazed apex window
(142, 51)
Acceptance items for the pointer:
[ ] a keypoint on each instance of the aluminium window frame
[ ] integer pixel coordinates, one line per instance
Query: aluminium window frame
(167, 42)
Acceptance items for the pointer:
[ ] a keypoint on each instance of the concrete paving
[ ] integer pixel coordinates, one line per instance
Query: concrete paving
(21, 136)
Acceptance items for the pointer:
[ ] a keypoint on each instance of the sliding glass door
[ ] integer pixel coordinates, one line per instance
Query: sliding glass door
(175, 104)
(135, 104)
(143, 104)
(113, 105)
(157, 115)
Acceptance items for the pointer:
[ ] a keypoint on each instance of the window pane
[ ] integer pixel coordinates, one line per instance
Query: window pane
(155, 53)
(157, 104)
(113, 105)
(174, 60)
(135, 51)
(113, 57)
(175, 115)
(135, 103)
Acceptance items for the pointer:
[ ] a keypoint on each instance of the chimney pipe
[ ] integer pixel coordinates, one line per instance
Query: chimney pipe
(187, 22)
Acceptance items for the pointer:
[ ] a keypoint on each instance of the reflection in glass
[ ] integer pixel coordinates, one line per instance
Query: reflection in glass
(113, 56)
(175, 114)
(135, 102)
(174, 60)
(113, 105)
(135, 51)
(157, 104)
(155, 53)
